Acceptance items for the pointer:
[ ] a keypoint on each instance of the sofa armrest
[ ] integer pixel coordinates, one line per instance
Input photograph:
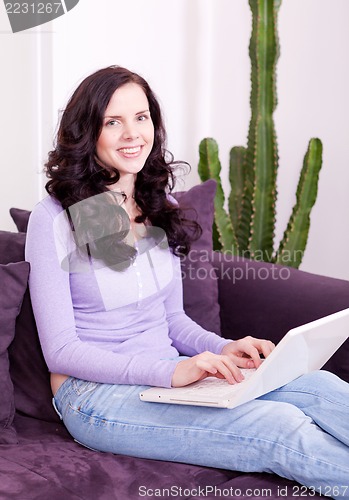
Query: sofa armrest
(266, 300)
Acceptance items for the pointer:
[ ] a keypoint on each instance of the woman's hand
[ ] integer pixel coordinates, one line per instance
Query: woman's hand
(205, 365)
(245, 352)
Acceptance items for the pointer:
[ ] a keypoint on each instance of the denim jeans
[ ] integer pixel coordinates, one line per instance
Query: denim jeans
(300, 431)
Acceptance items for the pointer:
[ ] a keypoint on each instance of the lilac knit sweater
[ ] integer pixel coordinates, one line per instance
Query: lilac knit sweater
(102, 325)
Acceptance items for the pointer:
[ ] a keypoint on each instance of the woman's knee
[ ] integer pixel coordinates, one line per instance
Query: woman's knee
(316, 382)
(275, 417)
(320, 381)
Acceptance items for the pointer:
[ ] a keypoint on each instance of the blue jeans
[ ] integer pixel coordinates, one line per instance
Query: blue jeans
(300, 431)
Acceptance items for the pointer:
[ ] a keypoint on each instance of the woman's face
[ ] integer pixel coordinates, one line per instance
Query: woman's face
(127, 135)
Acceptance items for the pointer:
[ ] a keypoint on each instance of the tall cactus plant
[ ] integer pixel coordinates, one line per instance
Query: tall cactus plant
(248, 227)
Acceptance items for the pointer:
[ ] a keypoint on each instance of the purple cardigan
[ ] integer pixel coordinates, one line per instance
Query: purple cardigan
(98, 324)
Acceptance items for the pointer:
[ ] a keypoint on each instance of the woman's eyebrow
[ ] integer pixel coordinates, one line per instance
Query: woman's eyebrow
(118, 117)
(141, 112)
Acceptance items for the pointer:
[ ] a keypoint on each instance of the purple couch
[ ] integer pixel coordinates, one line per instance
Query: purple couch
(40, 460)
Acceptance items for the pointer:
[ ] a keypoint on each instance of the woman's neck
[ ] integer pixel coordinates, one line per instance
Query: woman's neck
(125, 186)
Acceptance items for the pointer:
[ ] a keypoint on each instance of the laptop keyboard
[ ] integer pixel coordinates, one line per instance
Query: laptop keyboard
(220, 386)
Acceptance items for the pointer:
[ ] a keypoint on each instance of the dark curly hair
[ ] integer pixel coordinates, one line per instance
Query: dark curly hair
(75, 175)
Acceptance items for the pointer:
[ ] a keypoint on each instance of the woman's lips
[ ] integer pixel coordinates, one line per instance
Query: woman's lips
(130, 152)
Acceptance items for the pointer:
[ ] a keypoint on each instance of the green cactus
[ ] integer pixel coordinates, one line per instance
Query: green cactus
(210, 167)
(237, 183)
(293, 244)
(249, 227)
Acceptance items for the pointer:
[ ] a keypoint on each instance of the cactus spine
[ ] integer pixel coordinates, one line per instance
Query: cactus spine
(249, 227)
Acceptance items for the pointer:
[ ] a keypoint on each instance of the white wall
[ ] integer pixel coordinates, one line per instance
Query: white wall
(194, 53)
(23, 105)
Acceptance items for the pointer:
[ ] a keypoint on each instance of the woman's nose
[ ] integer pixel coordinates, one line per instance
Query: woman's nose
(130, 131)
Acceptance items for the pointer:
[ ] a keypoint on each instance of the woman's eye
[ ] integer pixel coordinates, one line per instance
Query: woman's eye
(112, 123)
(141, 118)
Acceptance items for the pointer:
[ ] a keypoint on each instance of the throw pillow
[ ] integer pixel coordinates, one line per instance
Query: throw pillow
(11, 247)
(200, 285)
(20, 218)
(28, 369)
(13, 279)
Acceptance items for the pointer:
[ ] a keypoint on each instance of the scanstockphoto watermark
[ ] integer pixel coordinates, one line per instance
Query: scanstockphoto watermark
(295, 491)
(25, 15)
(257, 256)
(246, 271)
(175, 491)
(202, 265)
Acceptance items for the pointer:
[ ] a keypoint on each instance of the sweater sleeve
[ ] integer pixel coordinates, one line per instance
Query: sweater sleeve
(187, 336)
(63, 350)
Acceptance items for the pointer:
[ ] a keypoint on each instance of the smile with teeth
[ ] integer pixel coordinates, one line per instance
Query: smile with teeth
(130, 151)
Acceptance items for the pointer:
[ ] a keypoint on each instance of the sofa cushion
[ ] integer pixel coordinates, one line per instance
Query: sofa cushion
(11, 247)
(28, 369)
(20, 218)
(200, 287)
(13, 279)
(48, 464)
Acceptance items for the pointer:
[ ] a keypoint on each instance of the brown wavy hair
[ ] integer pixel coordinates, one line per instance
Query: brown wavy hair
(74, 174)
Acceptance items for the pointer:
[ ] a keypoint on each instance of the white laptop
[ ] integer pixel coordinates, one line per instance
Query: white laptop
(302, 350)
